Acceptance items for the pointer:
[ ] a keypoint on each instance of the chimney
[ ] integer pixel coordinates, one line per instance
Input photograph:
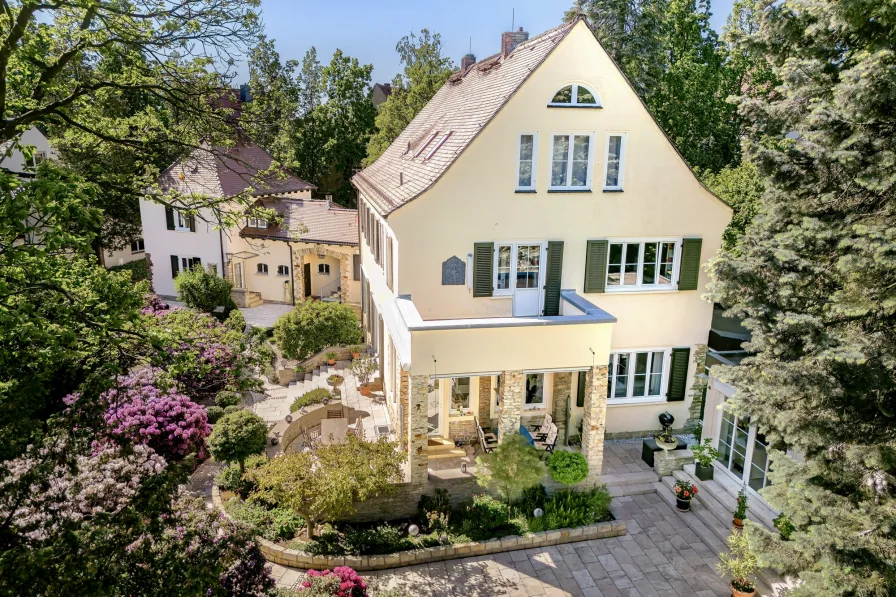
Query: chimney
(466, 62)
(512, 39)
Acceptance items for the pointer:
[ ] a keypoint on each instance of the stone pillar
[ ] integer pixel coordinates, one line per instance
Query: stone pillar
(486, 396)
(698, 389)
(298, 272)
(418, 439)
(404, 384)
(594, 423)
(562, 385)
(345, 274)
(513, 387)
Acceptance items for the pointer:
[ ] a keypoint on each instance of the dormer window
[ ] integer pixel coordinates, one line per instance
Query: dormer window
(575, 96)
(257, 223)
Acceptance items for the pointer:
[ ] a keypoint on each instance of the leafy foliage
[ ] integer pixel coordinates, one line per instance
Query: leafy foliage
(213, 413)
(226, 398)
(739, 563)
(511, 467)
(230, 478)
(567, 467)
(341, 582)
(271, 523)
(705, 453)
(322, 485)
(201, 289)
(567, 509)
(741, 187)
(315, 396)
(237, 436)
(314, 325)
(486, 516)
(137, 268)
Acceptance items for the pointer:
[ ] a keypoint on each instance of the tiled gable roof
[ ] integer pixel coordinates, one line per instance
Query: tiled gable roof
(460, 109)
(228, 172)
(309, 220)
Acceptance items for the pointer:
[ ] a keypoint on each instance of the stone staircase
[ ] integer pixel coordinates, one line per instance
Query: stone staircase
(711, 516)
(634, 483)
(317, 378)
(253, 299)
(444, 448)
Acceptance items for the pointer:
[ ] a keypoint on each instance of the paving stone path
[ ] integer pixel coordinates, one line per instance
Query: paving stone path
(660, 556)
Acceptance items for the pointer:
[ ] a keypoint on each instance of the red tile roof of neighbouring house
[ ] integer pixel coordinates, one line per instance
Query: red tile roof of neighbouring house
(310, 221)
(225, 172)
(460, 109)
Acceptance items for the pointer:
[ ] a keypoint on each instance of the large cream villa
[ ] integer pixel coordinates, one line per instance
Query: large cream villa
(311, 252)
(531, 245)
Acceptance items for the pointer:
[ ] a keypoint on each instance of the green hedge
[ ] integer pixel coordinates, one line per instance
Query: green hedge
(568, 467)
(137, 268)
(315, 396)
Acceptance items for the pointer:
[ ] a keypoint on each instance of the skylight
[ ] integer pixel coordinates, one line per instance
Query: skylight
(441, 142)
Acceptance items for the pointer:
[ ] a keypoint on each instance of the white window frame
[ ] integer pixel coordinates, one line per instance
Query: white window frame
(181, 222)
(623, 147)
(544, 391)
(281, 272)
(183, 262)
(463, 412)
(261, 269)
(519, 161)
(640, 286)
(323, 269)
(630, 377)
(752, 432)
(256, 223)
(140, 244)
(514, 245)
(569, 162)
(574, 98)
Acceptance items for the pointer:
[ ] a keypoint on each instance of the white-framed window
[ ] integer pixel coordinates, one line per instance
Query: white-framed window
(181, 221)
(575, 95)
(571, 158)
(261, 268)
(137, 246)
(534, 391)
(614, 166)
(460, 397)
(743, 451)
(638, 375)
(323, 268)
(527, 147)
(282, 270)
(256, 223)
(517, 266)
(184, 263)
(642, 264)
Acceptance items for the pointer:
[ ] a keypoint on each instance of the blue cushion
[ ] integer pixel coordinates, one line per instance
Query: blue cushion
(525, 433)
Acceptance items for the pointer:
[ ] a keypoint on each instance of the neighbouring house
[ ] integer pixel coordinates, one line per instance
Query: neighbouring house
(380, 93)
(312, 252)
(13, 160)
(531, 245)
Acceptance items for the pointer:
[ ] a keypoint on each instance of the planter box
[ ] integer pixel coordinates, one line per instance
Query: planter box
(704, 473)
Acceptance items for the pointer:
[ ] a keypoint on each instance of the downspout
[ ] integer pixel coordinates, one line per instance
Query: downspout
(292, 273)
(221, 245)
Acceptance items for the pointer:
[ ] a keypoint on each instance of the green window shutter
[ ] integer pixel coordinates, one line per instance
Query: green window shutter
(175, 266)
(580, 391)
(483, 256)
(596, 266)
(552, 279)
(169, 218)
(678, 374)
(192, 223)
(690, 263)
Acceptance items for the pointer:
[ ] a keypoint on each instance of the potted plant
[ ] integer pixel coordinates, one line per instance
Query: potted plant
(335, 380)
(356, 351)
(363, 369)
(666, 441)
(684, 491)
(300, 373)
(331, 358)
(705, 455)
(740, 564)
(740, 512)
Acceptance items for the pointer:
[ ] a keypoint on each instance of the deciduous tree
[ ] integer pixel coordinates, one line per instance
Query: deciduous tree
(237, 436)
(511, 467)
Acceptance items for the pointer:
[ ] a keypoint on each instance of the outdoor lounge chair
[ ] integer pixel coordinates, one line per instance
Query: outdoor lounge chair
(548, 443)
(541, 431)
(486, 446)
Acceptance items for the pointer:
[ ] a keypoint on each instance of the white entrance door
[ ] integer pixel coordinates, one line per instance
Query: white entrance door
(527, 289)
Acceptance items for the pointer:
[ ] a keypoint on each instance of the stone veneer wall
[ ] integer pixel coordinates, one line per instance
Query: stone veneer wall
(463, 429)
(417, 436)
(513, 386)
(562, 386)
(485, 401)
(297, 559)
(594, 422)
(698, 389)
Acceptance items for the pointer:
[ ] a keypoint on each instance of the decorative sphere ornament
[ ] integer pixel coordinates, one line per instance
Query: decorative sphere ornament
(443, 539)
(288, 418)
(538, 513)
(274, 441)
(413, 530)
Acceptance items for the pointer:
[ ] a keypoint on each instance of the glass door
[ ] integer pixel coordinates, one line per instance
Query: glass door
(743, 452)
(434, 410)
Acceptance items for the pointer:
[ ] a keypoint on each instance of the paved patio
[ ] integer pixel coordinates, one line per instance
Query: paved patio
(660, 556)
(263, 316)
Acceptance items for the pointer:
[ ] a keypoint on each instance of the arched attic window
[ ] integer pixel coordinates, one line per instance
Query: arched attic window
(575, 96)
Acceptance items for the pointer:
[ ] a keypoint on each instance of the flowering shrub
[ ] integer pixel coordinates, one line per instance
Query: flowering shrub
(685, 490)
(341, 582)
(169, 423)
(154, 305)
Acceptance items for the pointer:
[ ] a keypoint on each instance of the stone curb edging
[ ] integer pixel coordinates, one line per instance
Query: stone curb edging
(298, 559)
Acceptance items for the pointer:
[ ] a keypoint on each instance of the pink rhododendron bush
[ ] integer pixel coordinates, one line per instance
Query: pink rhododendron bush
(342, 581)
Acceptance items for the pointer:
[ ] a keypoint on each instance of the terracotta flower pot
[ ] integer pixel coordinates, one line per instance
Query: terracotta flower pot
(331, 362)
(365, 390)
(738, 593)
(682, 505)
(738, 523)
(356, 355)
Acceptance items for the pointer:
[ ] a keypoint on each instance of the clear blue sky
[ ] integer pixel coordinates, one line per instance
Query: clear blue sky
(369, 29)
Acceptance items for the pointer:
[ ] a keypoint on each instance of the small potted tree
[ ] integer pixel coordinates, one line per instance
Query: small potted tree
(740, 512)
(740, 564)
(356, 351)
(364, 369)
(684, 491)
(335, 380)
(331, 358)
(705, 455)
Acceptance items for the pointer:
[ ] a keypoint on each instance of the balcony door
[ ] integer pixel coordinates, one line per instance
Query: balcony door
(520, 274)
(743, 451)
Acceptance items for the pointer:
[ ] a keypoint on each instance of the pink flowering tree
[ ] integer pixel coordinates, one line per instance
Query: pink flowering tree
(141, 409)
(342, 581)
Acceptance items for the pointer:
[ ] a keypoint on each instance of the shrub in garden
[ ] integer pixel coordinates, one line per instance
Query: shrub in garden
(237, 436)
(229, 478)
(511, 467)
(381, 539)
(236, 321)
(231, 409)
(271, 523)
(315, 396)
(485, 516)
(314, 325)
(567, 509)
(341, 582)
(531, 498)
(201, 289)
(169, 423)
(226, 398)
(567, 467)
(137, 268)
(213, 413)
